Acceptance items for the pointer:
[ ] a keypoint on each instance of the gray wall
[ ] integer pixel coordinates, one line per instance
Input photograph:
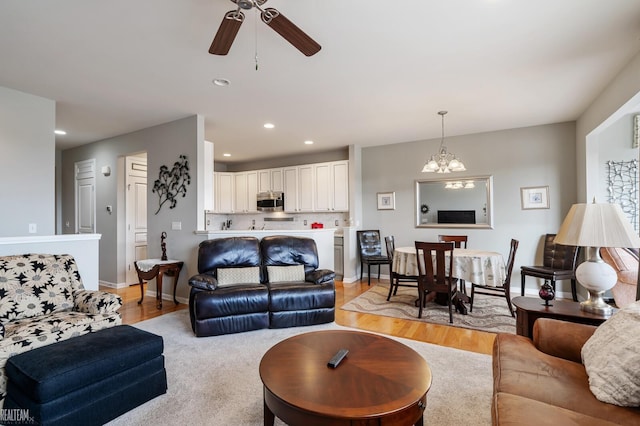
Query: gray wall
(163, 144)
(27, 163)
(532, 156)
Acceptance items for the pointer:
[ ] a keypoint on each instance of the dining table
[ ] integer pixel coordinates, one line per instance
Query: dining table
(471, 265)
(475, 266)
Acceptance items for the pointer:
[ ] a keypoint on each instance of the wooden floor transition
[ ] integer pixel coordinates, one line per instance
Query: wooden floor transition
(470, 340)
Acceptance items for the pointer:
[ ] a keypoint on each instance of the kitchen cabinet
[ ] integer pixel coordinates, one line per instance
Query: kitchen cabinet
(331, 186)
(298, 188)
(338, 255)
(223, 184)
(270, 180)
(245, 190)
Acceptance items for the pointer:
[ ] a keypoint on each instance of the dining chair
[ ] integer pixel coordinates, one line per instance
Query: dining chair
(459, 241)
(370, 248)
(435, 272)
(559, 263)
(396, 278)
(501, 291)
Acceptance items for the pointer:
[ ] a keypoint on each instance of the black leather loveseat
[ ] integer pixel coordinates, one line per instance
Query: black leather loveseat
(246, 284)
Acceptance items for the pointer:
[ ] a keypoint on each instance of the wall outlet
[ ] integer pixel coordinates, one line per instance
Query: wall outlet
(176, 226)
(33, 228)
(337, 222)
(305, 222)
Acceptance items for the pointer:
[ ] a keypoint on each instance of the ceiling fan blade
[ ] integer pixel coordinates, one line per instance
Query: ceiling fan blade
(227, 32)
(290, 32)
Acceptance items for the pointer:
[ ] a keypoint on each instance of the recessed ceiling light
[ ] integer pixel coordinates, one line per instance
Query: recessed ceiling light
(59, 132)
(269, 126)
(226, 154)
(221, 82)
(308, 142)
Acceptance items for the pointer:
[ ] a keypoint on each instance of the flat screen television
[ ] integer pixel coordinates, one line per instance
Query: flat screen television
(457, 216)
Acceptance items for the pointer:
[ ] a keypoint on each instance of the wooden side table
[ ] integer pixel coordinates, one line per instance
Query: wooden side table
(529, 309)
(149, 269)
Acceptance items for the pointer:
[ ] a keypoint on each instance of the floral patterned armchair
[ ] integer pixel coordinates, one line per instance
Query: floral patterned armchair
(42, 301)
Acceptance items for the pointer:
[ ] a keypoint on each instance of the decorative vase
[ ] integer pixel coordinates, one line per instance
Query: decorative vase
(546, 293)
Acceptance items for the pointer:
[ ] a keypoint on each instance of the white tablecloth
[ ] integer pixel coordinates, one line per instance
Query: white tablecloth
(474, 266)
(147, 264)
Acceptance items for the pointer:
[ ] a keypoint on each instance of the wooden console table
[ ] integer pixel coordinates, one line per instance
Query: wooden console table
(149, 269)
(529, 309)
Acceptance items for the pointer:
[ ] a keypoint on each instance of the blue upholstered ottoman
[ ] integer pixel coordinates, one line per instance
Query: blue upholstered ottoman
(89, 379)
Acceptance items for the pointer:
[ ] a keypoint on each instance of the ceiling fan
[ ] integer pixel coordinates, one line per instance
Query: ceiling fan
(270, 16)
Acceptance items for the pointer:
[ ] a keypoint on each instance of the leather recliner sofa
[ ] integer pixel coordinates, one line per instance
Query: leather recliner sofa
(246, 284)
(543, 381)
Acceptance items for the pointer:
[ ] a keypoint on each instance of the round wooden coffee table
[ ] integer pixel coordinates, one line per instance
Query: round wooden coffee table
(381, 381)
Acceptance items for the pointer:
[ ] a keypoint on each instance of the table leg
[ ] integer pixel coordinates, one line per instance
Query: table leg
(141, 290)
(420, 421)
(159, 290)
(269, 417)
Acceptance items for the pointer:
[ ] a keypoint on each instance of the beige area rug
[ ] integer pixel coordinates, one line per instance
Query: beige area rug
(489, 313)
(215, 381)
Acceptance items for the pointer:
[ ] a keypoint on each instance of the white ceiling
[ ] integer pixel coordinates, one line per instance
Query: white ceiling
(386, 67)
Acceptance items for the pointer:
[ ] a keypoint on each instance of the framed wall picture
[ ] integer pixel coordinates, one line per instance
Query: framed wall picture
(386, 200)
(534, 197)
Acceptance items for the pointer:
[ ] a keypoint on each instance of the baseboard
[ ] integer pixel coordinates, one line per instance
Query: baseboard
(112, 285)
(152, 294)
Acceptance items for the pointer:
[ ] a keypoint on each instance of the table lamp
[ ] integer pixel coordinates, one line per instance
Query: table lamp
(594, 226)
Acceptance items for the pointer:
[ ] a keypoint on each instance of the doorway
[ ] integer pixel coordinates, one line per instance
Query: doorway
(135, 213)
(85, 199)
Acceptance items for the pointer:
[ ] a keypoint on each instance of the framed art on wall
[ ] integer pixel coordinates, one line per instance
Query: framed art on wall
(386, 200)
(534, 197)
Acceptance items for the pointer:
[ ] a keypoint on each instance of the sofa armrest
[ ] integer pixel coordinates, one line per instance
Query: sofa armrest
(203, 282)
(320, 276)
(96, 302)
(562, 339)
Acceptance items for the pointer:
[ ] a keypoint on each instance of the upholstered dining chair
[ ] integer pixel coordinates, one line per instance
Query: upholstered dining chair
(370, 248)
(396, 279)
(559, 263)
(459, 241)
(435, 268)
(505, 289)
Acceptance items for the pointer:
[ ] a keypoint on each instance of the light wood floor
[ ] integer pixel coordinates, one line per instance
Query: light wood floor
(454, 337)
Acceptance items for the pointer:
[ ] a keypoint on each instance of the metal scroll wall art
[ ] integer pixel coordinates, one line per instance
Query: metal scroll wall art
(172, 183)
(622, 186)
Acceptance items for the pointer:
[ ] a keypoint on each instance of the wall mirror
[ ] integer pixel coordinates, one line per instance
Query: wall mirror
(455, 202)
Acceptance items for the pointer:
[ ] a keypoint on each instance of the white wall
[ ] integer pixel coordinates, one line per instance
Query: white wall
(532, 156)
(27, 163)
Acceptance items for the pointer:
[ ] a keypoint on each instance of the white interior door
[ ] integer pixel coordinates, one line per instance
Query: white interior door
(85, 177)
(136, 211)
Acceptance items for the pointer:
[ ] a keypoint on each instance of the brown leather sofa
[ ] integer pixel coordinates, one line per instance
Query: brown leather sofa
(543, 382)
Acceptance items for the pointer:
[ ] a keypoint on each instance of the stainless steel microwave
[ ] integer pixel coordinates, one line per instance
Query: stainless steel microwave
(271, 201)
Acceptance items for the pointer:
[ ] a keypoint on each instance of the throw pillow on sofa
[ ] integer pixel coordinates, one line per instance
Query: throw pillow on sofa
(231, 276)
(285, 274)
(611, 358)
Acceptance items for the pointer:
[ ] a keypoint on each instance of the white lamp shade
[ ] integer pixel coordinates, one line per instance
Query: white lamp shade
(597, 225)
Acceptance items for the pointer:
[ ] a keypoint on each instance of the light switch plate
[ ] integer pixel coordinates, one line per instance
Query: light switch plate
(33, 228)
(176, 226)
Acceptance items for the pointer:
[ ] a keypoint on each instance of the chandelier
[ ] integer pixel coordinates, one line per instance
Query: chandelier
(443, 161)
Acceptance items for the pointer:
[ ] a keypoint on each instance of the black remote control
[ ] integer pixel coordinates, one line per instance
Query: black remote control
(337, 358)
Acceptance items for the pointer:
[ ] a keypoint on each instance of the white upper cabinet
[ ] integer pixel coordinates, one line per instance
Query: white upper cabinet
(321, 187)
(270, 180)
(223, 184)
(245, 191)
(331, 186)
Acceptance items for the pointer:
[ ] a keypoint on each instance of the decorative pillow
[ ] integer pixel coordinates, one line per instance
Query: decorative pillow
(611, 358)
(231, 276)
(285, 274)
